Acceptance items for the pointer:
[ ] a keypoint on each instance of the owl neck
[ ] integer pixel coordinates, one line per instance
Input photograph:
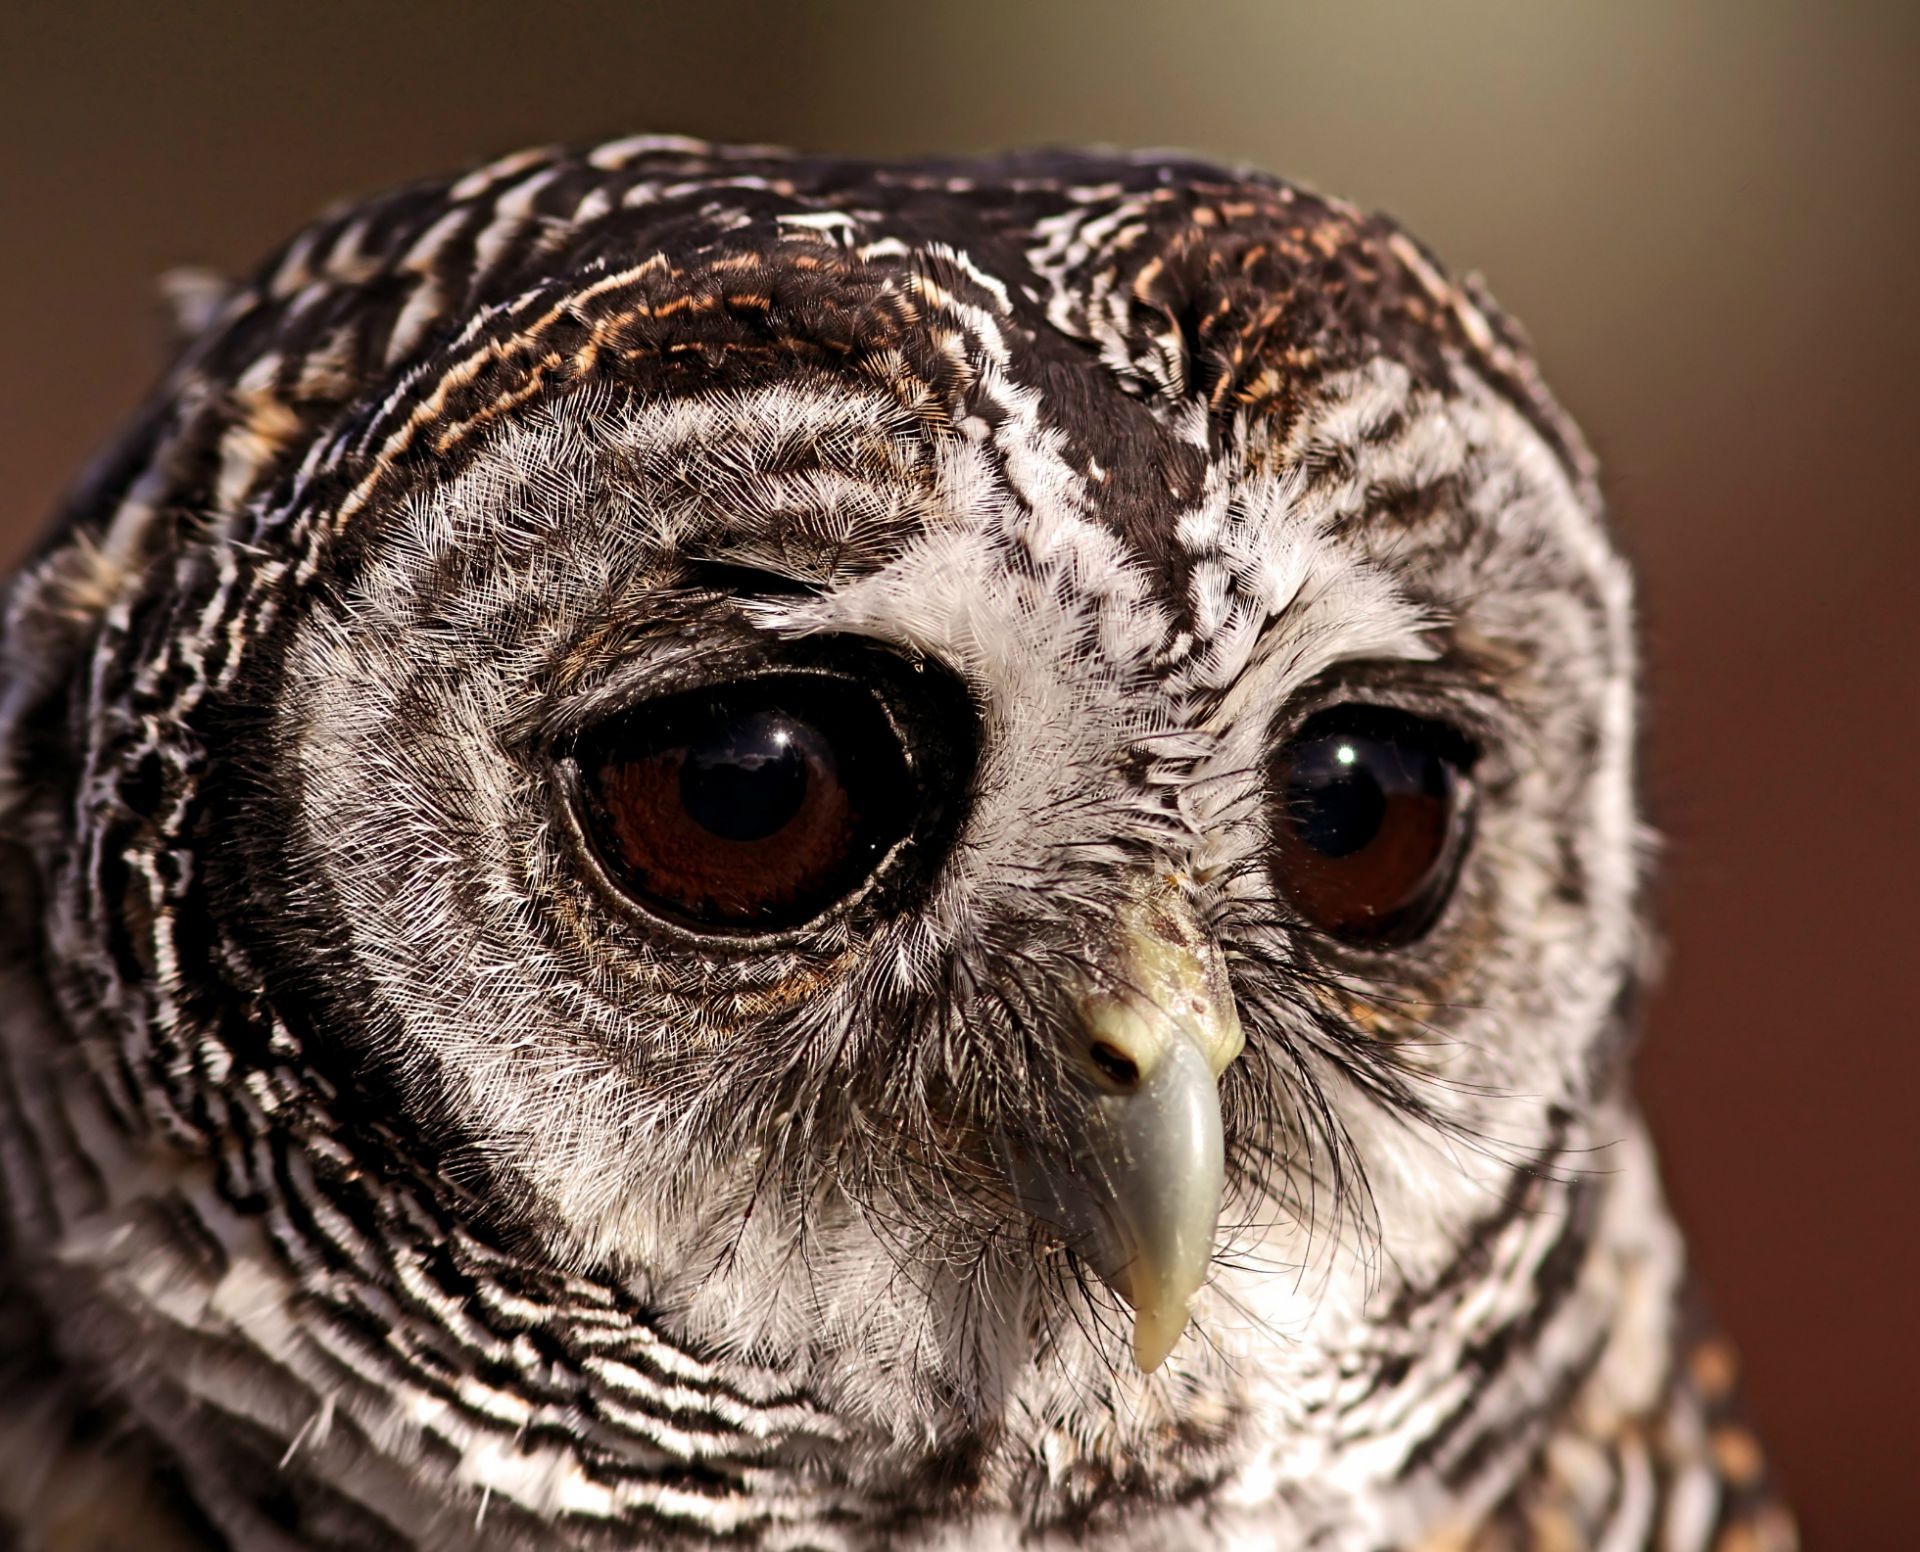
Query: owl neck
(1608, 1414)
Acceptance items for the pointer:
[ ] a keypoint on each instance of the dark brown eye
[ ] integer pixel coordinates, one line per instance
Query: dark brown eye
(1372, 814)
(751, 806)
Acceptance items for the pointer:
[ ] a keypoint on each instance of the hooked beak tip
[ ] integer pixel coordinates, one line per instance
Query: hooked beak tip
(1156, 1332)
(1160, 1313)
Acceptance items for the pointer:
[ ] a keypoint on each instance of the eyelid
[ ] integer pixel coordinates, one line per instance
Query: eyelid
(656, 665)
(1488, 724)
(1458, 745)
(731, 577)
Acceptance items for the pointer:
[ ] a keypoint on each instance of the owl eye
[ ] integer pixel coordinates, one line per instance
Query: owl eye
(1372, 812)
(752, 806)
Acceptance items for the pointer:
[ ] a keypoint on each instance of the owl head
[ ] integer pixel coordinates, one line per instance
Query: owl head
(995, 794)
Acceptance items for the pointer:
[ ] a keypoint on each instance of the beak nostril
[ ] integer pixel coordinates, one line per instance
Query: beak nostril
(1114, 1063)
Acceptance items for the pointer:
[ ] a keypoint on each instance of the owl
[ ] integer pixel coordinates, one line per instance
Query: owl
(704, 847)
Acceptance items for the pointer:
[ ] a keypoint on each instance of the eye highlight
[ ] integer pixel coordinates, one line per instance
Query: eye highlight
(752, 806)
(1372, 811)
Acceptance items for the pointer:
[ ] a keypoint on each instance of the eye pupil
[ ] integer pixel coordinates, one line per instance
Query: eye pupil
(1336, 801)
(748, 778)
(1372, 809)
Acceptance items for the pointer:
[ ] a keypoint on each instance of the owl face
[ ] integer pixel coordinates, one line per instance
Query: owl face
(1006, 794)
(746, 804)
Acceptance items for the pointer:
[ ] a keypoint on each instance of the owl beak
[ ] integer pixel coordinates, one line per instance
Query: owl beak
(1156, 1028)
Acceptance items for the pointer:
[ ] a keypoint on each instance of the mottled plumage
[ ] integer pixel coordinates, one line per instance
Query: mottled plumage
(383, 1170)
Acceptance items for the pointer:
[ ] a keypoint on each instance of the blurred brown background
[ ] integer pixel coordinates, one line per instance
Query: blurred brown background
(1707, 215)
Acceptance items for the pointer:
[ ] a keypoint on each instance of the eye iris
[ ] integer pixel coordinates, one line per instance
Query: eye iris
(1372, 808)
(755, 806)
